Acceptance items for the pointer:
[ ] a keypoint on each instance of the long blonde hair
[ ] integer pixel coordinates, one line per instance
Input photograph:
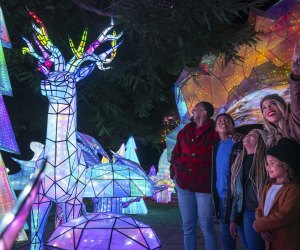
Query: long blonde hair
(258, 173)
(273, 132)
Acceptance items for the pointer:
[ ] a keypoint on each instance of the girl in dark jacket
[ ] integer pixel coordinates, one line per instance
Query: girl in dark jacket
(247, 181)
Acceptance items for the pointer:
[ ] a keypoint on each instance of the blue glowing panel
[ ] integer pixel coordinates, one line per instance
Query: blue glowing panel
(5, 87)
(130, 152)
(117, 180)
(20, 179)
(7, 138)
(4, 34)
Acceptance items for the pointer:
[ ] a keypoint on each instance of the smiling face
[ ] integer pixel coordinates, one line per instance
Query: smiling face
(224, 125)
(273, 168)
(271, 111)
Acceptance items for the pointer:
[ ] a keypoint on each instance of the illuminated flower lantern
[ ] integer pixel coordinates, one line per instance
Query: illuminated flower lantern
(64, 181)
(7, 138)
(104, 231)
(162, 179)
(239, 87)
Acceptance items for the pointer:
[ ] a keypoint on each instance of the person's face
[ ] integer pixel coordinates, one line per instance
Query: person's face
(251, 139)
(273, 168)
(271, 111)
(198, 112)
(224, 125)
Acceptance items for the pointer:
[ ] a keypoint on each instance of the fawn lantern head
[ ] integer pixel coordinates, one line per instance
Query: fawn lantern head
(61, 77)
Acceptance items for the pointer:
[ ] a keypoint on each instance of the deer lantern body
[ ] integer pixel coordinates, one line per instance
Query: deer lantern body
(64, 181)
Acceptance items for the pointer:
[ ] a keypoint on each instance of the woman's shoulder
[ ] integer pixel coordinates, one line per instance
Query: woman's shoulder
(292, 188)
(293, 185)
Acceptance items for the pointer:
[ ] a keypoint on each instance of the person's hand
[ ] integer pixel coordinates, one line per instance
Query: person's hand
(237, 137)
(267, 236)
(296, 62)
(233, 230)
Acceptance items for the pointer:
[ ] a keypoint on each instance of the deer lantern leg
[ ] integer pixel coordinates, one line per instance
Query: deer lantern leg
(39, 214)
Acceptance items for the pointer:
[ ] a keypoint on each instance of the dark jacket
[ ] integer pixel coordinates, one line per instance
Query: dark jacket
(283, 220)
(236, 149)
(239, 199)
(191, 157)
(291, 123)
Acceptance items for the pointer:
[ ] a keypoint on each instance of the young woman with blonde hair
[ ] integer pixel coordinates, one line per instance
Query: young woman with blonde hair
(281, 119)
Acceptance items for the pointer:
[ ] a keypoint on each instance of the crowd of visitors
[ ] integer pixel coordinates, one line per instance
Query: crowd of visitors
(249, 182)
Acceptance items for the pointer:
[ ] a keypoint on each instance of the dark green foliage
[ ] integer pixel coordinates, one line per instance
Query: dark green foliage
(160, 38)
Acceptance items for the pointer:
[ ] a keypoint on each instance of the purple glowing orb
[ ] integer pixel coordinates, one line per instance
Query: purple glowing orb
(104, 231)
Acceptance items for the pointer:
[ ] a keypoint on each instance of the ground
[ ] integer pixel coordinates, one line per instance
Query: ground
(165, 219)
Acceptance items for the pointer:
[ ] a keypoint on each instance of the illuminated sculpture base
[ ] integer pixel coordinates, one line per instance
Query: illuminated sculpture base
(104, 231)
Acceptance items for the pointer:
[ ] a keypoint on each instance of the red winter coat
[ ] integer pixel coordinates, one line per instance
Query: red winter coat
(191, 158)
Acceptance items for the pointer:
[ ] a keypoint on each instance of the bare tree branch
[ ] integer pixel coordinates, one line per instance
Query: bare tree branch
(105, 11)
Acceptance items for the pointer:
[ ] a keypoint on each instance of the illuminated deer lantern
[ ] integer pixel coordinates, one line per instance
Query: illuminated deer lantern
(64, 180)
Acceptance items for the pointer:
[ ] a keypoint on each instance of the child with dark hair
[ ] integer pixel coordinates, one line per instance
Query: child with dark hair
(278, 217)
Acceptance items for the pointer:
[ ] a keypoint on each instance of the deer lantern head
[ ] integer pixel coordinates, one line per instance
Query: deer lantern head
(61, 77)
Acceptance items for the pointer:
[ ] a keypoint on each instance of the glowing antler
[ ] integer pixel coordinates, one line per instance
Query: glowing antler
(50, 53)
(79, 52)
(90, 56)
